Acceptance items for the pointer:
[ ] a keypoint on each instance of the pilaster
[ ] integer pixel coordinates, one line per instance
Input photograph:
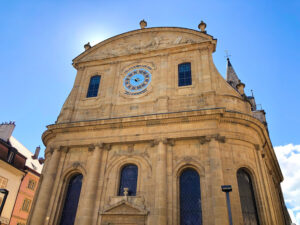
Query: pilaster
(161, 182)
(219, 208)
(42, 203)
(94, 161)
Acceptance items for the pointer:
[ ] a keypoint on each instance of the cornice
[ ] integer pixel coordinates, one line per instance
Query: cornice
(147, 30)
(218, 114)
(153, 53)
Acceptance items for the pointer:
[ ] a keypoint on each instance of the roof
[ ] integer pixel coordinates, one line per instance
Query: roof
(231, 76)
(30, 162)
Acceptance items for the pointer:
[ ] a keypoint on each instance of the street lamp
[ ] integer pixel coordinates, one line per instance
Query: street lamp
(227, 189)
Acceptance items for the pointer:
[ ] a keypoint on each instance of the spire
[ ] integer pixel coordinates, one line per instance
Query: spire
(231, 76)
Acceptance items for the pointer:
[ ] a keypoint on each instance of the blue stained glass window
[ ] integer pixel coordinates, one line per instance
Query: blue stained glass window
(247, 198)
(190, 198)
(184, 74)
(71, 201)
(93, 86)
(128, 179)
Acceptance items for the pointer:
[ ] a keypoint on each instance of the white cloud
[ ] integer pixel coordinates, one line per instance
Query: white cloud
(289, 160)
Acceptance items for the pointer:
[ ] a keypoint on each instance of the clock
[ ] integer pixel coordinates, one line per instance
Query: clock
(136, 81)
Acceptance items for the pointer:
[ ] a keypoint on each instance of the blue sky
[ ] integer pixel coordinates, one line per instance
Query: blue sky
(40, 38)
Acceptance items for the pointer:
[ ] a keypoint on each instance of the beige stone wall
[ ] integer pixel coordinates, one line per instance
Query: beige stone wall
(207, 126)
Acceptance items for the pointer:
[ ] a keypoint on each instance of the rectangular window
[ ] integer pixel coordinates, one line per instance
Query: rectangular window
(31, 185)
(3, 182)
(184, 74)
(93, 86)
(26, 205)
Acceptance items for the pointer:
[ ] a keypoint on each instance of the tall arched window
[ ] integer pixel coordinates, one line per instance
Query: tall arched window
(247, 198)
(128, 179)
(93, 86)
(184, 74)
(190, 198)
(71, 201)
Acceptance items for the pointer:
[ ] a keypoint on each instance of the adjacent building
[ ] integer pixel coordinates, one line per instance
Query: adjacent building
(29, 184)
(19, 176)
(149, 135)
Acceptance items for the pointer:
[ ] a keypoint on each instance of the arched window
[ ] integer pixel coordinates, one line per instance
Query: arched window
(93, 86)
(190, 198)
(128, 179)
(247, 198)
(184, 74)
(71, 201)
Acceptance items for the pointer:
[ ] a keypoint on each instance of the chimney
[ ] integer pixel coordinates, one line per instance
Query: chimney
(6, 130)
(37, 152)
(41, 160)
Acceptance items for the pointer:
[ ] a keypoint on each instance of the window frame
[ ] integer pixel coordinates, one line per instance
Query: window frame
(31, 184)
(120, 179)
(64, 191)
(179, 191)
(89, 84)
(3, 180)
(26, 205)
(254, 192)
(178, 74)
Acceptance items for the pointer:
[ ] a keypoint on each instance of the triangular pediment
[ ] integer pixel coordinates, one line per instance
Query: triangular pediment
(125, 208)
(143, 41)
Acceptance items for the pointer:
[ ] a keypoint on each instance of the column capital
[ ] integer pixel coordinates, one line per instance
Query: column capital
(63, 149)
(257, 147)
(91, 148)
(166, 141)
(105, 146)
(204, 139)
(219, 138)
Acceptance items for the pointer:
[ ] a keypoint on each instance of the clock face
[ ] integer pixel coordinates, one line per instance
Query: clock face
(137, 80)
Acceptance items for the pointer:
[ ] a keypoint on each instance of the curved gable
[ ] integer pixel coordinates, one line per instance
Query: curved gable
(143, 41)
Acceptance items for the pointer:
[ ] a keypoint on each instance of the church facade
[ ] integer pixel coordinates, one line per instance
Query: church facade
(149, 135)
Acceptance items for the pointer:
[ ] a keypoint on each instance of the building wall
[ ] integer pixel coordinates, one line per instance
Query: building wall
(26, 193)
(208, 126)
(14, 177)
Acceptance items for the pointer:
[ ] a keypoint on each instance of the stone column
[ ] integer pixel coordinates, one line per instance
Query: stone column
(88, 205)
(218, 198)
(161, 182)
(41, 206)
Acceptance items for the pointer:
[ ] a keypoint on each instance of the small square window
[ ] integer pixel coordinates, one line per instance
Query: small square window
(31, 185)
(26, 205)
(3, 182)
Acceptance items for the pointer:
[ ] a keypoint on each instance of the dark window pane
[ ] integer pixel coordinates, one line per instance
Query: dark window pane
(184, 74)
(190, 198)
(71, 201)
(94, 86)
(247, 198)
(128, 180)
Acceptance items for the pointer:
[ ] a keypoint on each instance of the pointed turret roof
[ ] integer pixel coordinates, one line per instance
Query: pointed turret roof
(231, 76)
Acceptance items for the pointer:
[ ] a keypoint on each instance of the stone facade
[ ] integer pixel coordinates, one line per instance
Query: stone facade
(208, 126)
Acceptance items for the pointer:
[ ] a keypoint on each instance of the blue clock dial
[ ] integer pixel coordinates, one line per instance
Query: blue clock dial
(137, 80)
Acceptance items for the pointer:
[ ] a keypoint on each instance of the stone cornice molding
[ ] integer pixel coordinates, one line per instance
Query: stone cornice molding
(218, 114)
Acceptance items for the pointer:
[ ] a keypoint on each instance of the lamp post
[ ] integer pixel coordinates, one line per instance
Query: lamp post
(227, 189)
